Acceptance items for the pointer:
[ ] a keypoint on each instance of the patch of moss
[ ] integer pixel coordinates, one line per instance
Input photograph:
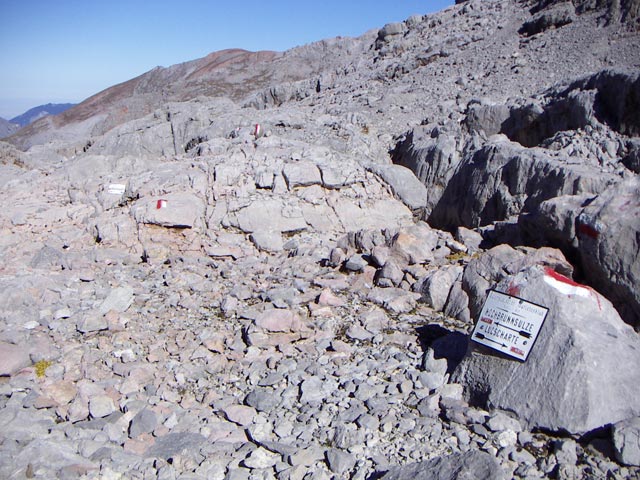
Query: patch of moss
(41, 367)
(455, 257)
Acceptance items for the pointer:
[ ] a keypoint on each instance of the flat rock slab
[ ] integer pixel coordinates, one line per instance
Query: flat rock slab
(53, 455)
(13, 358)
(278, 320)
(174, 444)
(269, 215)
(471, 464)
(119, 299)
(301, 174)
(174, 210)
(405, 185)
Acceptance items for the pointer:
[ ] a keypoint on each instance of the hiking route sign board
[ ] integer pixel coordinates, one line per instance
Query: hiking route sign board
(509, 324)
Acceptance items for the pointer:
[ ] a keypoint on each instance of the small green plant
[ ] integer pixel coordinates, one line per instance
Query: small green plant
(41, 367)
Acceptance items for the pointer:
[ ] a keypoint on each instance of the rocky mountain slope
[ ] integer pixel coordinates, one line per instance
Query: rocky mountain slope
(267, 265)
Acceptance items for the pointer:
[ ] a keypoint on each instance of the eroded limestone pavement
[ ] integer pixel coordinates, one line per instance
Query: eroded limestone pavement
(190, 296)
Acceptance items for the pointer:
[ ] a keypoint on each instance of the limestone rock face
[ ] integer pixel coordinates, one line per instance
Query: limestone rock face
(602, 233)
(502, 179)
(571, 381)
(608, 232)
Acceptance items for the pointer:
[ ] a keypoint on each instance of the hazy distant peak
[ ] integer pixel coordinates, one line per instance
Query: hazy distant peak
(40, 111)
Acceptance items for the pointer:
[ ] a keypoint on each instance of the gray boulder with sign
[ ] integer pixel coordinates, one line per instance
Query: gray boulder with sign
(581, 373)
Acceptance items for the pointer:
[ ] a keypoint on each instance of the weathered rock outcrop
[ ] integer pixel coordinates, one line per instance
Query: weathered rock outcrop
(601, 234)
(503, 179)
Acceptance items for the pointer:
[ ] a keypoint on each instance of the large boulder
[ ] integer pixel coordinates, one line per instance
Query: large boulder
(601, 233)
(433, 158)
(608, 231)
(581, 373)
(502, 179)
(501, 262)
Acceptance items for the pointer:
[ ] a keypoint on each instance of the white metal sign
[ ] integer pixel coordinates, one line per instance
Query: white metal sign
(509, 324)
(116, 188)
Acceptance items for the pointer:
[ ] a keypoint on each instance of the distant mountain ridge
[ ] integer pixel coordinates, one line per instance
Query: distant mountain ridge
(40, 111)
(7, 128)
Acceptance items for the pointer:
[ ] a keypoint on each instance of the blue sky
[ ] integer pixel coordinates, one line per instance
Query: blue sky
(67, 50)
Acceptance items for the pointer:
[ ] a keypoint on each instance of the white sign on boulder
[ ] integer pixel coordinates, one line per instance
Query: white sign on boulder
(509, 324)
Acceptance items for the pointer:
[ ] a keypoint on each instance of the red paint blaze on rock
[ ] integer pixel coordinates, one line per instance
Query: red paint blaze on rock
(588, 230)
(561, 278)
(513, 290)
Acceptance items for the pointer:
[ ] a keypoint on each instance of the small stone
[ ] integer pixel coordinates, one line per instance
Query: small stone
(240, 414)
(453, 391)
(261, 458)
(13, 358)
(499, 421)
(313, 390)
(306, 456)
(267, 241)
(339, 461)
(566, 452)
(368, 422)
(214, 344)
(626, 440)
(356, 263)
(119, 299)
(263, 399)
(328, 298)
(429, 406)
(431, 364)
(91, 321)
(278, 320)
(101, 405)
(62, 313)
(356, 332)
(62, 392)
(86, 275)
(431, 380)
(380, 255)
(139, 445)
(145, 421)
(522, 456)
(506, 438)
(392, 272)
